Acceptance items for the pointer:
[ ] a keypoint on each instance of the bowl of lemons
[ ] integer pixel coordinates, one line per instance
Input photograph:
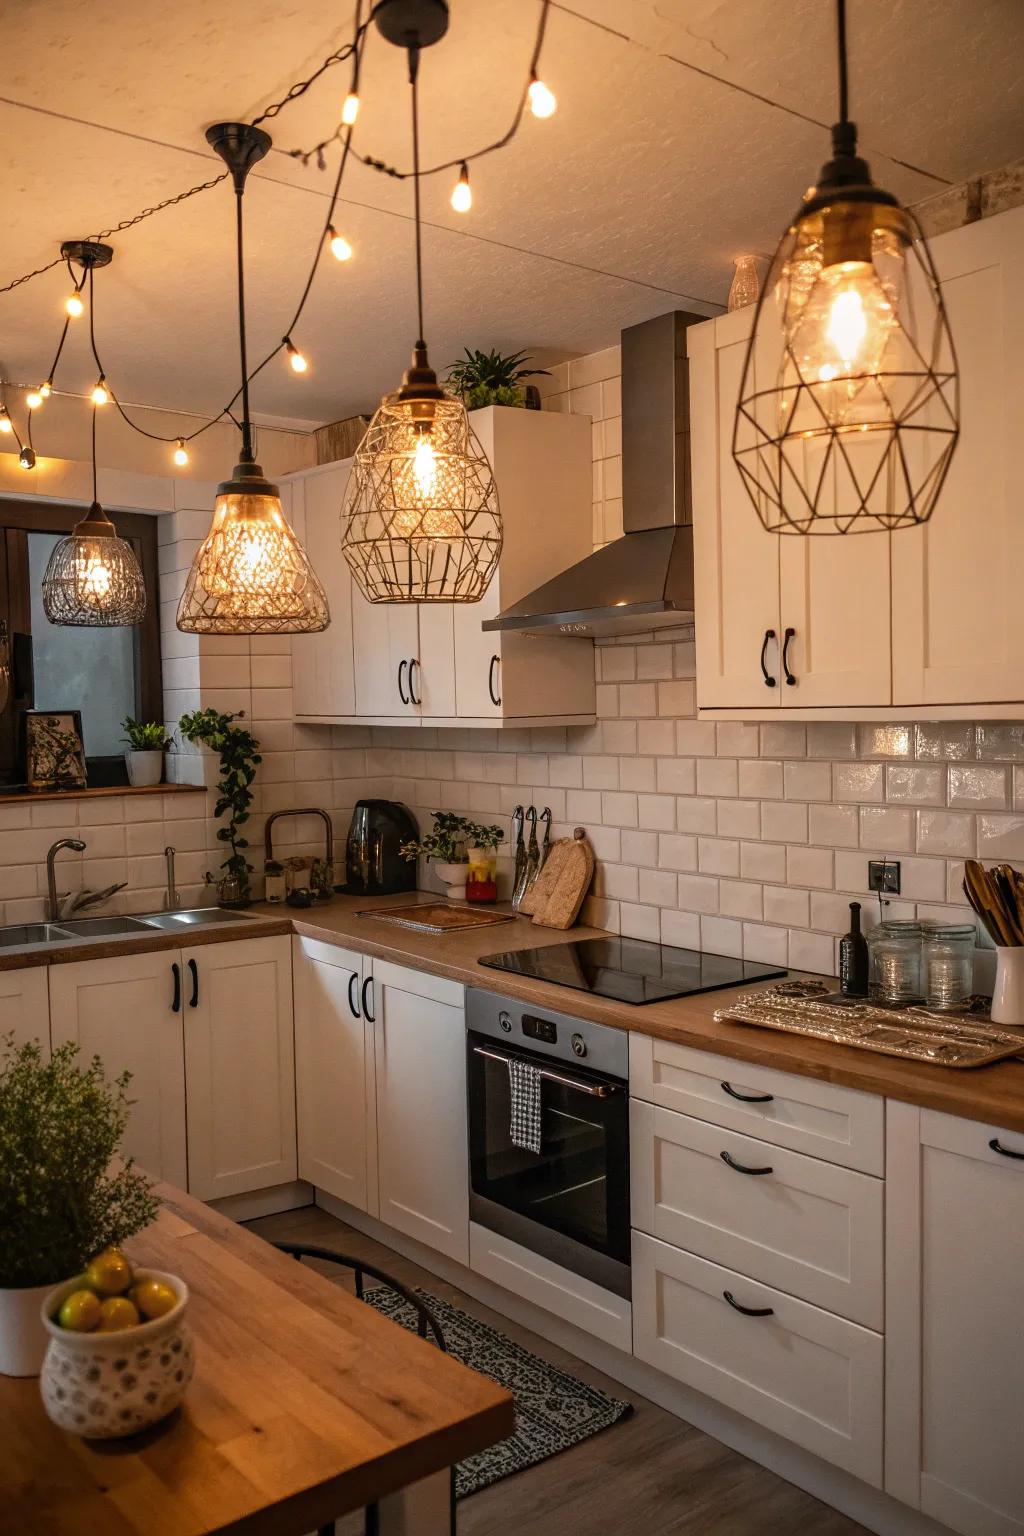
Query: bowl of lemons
(120, 1356)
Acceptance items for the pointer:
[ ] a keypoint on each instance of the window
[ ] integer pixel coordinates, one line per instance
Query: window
(104, 673)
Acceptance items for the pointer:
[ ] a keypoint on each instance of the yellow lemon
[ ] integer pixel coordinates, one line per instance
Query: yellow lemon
(80, 1311)
(153, 1298)
(118, 1312)
(109, 1273)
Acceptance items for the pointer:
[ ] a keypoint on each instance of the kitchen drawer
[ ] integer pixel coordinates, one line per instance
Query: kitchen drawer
(806, 1226)
(546, 1284)
(841, 1125)
(804, 1373)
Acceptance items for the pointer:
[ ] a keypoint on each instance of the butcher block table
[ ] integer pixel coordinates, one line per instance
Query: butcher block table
(306, 1403)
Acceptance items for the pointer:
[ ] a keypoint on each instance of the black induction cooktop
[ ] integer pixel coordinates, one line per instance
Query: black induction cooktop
(630, 970)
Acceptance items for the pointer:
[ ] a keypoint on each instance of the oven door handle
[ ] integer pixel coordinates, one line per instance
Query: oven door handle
(595, 1090)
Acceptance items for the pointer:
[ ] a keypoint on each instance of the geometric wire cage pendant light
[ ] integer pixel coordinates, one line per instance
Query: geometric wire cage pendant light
(421, 521)
(250, 575)
(849, 407)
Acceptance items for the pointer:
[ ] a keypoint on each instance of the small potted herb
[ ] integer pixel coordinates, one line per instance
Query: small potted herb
(146, 743)
(239, 753)
(482, 882)
(488, 378)
(61, 1199)
(447, 846)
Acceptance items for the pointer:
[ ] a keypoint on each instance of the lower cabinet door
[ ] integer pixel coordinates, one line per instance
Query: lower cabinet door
(808, 1375)
(128, 1012)
(25, 1006)
(239, 1066)
(420, 1035)
(332, 1040)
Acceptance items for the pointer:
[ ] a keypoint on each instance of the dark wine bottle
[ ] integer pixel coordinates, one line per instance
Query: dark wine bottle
(853, 958)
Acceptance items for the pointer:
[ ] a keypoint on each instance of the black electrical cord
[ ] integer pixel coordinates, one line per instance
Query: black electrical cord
(843, 77)
(247, 453)
(414, 70)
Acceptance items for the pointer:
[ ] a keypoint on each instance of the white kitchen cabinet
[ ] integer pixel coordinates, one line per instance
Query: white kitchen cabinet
(420, 1057)
(334, 1094)
(323, 676)
(128, 1011)
(239, 1066)
(25, 1006)
(955, 1258)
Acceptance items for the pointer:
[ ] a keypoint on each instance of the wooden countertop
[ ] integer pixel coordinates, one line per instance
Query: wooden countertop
(306, 1404)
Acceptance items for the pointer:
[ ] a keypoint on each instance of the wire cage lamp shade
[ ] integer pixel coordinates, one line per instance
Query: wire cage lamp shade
(93, 578)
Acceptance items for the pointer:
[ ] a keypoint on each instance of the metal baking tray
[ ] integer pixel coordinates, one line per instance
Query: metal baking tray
(437, 917)
(911, 1033)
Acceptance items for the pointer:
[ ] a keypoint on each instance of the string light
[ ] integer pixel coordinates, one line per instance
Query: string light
(543, 100)
(6, 424)
(295, 357)
(74, 304)
(27, 457)
(181, 453)
(45, 389)
(100, 393)
(462, 194)
(341, 249)
(350, 109)
(34, 399)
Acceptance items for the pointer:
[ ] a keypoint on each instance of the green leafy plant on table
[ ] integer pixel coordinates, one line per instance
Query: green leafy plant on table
(489, 378)
(144, 736)
(239, 753)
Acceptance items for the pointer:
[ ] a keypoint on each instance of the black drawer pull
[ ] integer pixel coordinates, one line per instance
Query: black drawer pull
(401, 681)
(746, 1098)
(194, 999)
(414, 694)
(176, 1000)
(491, 685)
(1005, 1151)
(353, 1006)
(769, 681)
(738, 1306)
(741, 1167)
(790, 679)
(371, 1018)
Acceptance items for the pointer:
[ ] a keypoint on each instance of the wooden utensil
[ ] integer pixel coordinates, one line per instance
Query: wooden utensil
(563, 883)
(986, 899)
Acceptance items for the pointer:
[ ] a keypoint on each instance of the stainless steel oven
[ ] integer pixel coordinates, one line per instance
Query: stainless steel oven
(570, 1201)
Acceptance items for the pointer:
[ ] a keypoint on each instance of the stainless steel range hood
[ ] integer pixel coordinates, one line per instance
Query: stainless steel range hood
(644, 580)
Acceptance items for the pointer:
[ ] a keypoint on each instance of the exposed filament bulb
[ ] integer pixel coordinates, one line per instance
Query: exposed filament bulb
(424, 466)
(350, 109)
(462, 194)
(100, 392)
(181, 453)
(543, 100)
(74, 304)
(295, 357)
(341, 249)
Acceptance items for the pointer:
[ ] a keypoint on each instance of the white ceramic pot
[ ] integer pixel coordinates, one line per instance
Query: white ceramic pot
(454, 877)
(144, 768)
(104, 1385)
(1008, 992)
(23, 1339)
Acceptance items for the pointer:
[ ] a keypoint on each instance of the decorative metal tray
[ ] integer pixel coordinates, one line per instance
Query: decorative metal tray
(913, 1033)
(437, 917)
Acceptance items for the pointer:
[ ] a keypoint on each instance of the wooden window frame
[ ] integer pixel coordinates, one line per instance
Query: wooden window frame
(17, 520)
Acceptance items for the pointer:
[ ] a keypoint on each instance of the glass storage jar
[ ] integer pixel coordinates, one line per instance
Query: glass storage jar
(894, 963)
(947, 963)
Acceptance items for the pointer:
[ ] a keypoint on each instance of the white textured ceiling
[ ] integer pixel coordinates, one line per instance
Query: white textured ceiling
(631, 200)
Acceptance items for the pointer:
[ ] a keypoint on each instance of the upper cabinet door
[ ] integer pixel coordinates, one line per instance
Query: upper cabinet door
(386, 645)
(836, 603)
(736, 576)
(433, 676)
(958, 619)
(323, 672)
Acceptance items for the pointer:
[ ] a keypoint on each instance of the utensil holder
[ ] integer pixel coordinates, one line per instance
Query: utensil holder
(1008, 993)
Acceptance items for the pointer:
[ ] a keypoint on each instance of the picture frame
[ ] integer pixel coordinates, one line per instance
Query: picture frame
(54, 749)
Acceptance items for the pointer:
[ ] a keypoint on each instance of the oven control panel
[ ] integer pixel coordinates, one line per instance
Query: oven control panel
(540, 1029)
(553, 1033)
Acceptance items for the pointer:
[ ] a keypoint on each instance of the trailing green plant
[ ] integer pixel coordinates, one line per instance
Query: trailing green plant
(239, 758)
(485, 836)
(490, 378)
(61, 1200)
(144, 736)
(447, 842)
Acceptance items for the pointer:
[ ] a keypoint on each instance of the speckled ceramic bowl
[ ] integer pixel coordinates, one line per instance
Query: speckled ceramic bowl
(104, 1385)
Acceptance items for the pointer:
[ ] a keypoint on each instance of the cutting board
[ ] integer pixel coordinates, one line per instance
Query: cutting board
(436, 917)
(563, 882)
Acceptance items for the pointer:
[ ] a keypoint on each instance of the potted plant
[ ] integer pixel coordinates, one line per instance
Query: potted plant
(146, 741)
(446, 845)
(61, 1200)
(239, 757)
(488, 378)
(482, 881)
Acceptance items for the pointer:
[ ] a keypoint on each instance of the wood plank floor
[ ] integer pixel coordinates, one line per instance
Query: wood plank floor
(652, 1475)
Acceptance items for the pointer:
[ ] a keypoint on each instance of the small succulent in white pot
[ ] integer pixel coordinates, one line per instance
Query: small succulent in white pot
(447, 847)
(146, 743)
(62, 1199)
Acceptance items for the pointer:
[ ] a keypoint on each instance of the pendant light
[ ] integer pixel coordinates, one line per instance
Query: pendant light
(849, 408)
(421, 521)
(250, 576)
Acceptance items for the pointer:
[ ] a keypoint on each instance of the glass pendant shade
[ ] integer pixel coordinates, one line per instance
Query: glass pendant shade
(93, 578)
(421, 522)
(849, 408)
(251, 575)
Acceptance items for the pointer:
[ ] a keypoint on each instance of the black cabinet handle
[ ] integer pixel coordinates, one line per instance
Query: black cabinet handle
(790, 679)
(491, 684)
(176, 999)
(414, 695)
(1005, 1151)
(353, 1005)
(401, 690)
(769, 681)
(742, 1167)
(371, 1018)
(746, 1098)
(194, 999)
(738, 1306)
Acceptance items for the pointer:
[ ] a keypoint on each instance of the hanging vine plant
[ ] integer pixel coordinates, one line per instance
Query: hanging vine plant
(239, 758)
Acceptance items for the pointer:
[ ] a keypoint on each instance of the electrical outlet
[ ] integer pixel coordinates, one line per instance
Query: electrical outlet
(884, 876)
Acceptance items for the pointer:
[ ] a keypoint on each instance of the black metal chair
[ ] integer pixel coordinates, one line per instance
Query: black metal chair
(427, 1326)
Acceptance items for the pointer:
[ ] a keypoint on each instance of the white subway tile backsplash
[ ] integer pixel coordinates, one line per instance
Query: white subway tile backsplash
(763, 861)
(783, 821)
(695, 738)
(1000, 742)
(676, 851)
(640, 848)
(951, 832)
(915, 784)
(659, 888)
(889, 827)
(657, 737)
(740, 898)
(831, 739)
(813, 952)
(787, 906)
(858, 781)
(677, 698)
(680, 929)
(768, 945)
(835, 826)
(809, 866)
(739, 818)
(971, 784)
(1001, 837)
(718, 856)
(656, 813)
(783, 738)
(717, 776)
(694, 814)
(808, 781)
(886, 740)
(735, 739)
(944, 742)
(637, 773)
(761, 779)
(677, 775)
(722, 936)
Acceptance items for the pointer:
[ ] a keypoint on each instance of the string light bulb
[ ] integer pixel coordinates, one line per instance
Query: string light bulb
(341, 249)
(350, 109)
(462, 193)
(543, 100)
(181, 453)
(27, 457)
(74, 304)
(34, 399)
(45, 389)
(100, 393)
(295, 357)
(6, 424)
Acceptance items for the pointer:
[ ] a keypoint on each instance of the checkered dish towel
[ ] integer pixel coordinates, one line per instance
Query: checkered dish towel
(524, 1089)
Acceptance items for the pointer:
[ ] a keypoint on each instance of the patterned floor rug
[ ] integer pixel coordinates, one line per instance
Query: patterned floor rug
(553, 1409)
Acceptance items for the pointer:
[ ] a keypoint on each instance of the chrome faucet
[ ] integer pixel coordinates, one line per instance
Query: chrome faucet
(53, 906)
(171, 899)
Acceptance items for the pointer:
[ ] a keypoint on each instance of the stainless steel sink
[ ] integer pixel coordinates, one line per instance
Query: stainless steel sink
(31, 933)
(196, 917)
(97, 927)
